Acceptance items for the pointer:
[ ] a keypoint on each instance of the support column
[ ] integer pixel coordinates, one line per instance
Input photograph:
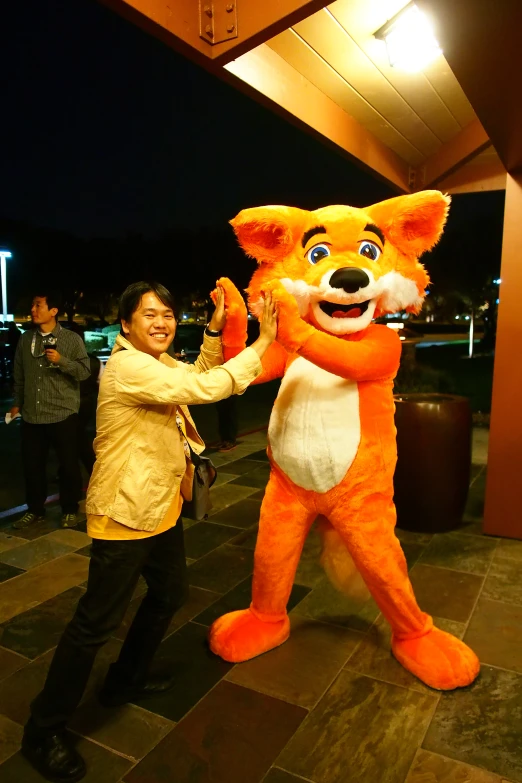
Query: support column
(503, 512)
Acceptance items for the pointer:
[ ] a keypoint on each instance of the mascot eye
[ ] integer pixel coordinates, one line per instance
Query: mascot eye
(317, 253)
(369, 250)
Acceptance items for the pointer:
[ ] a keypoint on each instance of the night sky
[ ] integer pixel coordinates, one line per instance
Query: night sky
(106, 131)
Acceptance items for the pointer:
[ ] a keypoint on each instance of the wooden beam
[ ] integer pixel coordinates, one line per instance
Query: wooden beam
(258, 22)
(475, 178)
(503, 511)
(272, 77)
(455, 153)
(481, 43)
(178, 24)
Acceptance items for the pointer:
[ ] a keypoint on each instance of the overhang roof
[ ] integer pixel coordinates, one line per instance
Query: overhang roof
(323, 67)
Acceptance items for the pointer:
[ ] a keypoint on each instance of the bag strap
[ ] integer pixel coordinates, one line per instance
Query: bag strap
(194, 458)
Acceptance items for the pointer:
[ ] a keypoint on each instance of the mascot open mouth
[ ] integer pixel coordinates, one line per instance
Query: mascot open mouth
(336, 310)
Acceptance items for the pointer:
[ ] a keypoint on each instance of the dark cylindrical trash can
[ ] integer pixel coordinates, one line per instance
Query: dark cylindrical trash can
(434, 460)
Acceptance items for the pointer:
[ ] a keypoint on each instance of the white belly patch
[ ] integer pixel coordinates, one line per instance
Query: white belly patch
(315, 428)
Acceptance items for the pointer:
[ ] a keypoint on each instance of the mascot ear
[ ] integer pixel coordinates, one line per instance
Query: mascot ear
(412, 223)
(269, 233)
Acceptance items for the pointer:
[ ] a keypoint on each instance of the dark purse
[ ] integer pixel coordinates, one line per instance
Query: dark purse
(205, 474)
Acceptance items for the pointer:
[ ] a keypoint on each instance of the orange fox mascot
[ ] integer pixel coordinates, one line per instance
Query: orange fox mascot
(331, 436)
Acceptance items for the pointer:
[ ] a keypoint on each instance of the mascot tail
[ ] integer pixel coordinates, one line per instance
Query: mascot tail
(338, 564)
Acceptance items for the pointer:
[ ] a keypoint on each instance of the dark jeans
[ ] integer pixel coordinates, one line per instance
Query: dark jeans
(113, 575)
(227, 419)
(36, 440)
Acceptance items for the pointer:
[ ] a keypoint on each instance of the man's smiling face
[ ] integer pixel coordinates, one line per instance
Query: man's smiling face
(152, 326)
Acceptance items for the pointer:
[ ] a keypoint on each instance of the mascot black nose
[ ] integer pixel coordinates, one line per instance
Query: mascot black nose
(350, 279)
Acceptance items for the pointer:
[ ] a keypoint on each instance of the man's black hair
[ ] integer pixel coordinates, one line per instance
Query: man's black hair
(131, 298)
(52, 298)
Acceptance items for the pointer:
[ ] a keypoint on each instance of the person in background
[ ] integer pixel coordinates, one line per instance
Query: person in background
(141, 475)
(227, 424)
(47, 393)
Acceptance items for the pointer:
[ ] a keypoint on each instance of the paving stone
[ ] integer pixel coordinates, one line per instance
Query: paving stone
(129, 729)
(300, 670)
(34, 632)
(481, 725)
(472, 554)
(495, 634)
(40, 584)
(197, 670)
(432, 768)
(356, 733)
(222, 569)
(35, 553)
(445, 593)
(232, 736)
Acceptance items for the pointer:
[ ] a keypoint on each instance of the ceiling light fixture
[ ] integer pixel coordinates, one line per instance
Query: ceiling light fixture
(409, 39)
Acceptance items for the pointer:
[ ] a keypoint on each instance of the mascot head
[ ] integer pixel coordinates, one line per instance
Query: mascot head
(344, 266)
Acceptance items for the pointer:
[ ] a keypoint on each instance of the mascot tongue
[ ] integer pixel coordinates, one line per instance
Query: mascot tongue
(355, 312)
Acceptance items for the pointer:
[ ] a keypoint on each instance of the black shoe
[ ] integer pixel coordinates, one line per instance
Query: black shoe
(71, 520)
(28, 519)
(54, 757)
(115, 696)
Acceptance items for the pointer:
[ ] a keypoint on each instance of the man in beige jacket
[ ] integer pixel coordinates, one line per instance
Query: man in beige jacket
(134, 504)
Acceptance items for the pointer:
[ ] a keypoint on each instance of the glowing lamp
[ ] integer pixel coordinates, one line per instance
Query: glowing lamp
(410, 40)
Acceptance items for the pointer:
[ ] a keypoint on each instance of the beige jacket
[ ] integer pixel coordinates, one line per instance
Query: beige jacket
(140, 460)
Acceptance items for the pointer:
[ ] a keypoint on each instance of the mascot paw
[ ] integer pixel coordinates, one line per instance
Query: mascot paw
(438, 659)
(235, 329)
(233, 297)
(239, 636)
(292, 331)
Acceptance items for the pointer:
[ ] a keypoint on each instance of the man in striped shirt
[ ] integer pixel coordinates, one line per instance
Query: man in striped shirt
(49, 364)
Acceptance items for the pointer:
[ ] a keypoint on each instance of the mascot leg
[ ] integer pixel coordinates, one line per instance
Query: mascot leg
(283, 527)
(437, 658)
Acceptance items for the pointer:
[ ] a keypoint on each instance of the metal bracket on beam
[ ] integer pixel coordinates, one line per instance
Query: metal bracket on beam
(217, 20)
(412, 178)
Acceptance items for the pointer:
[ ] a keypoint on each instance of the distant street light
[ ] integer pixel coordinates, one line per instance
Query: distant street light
(3, 275)
(471, 333)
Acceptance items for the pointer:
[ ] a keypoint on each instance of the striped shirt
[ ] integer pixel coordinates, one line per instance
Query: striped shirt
(47, 395)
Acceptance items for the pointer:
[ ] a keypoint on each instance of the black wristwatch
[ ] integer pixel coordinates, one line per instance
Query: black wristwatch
(211, 332)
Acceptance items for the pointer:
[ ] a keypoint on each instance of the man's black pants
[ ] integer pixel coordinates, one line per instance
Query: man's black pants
(113, 575)
(227, 419)
(36, 440)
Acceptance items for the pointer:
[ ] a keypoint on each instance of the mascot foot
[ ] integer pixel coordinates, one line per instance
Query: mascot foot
(239, 636)
(438, 659)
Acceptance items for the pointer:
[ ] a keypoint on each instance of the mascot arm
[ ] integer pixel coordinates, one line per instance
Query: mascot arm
(235, 329)
(274, 363)
(235, 334)
(375, 356)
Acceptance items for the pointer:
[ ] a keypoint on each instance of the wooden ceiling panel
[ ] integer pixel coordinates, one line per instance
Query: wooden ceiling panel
(291, 47)
(329, 39)
(444, 83)
(270, 75)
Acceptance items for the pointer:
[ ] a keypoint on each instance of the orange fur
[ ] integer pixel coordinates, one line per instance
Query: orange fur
(332, 434)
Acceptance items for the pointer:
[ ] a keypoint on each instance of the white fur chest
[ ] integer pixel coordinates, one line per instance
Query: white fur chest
(315, 428)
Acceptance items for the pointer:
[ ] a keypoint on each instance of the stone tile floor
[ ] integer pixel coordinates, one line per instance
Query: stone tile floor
(329, 706)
